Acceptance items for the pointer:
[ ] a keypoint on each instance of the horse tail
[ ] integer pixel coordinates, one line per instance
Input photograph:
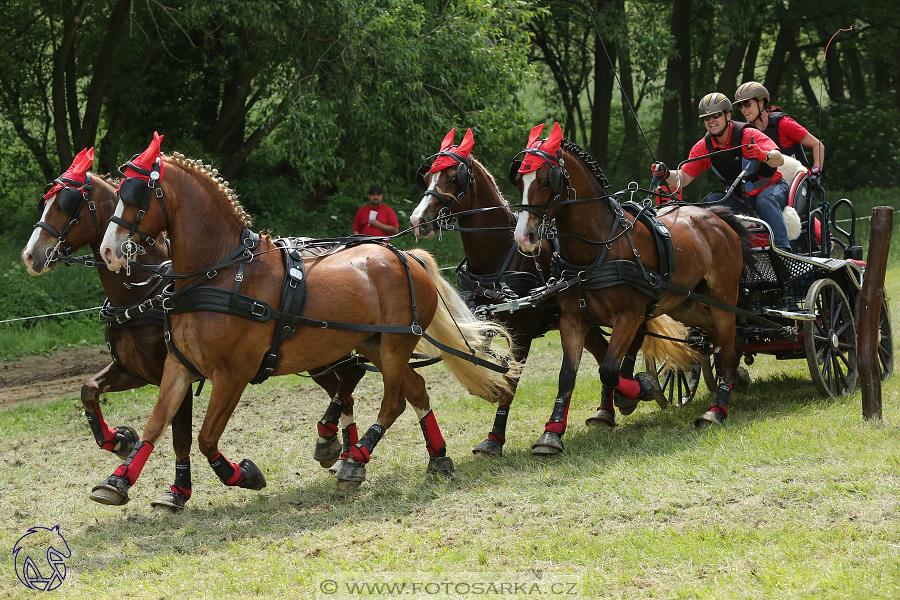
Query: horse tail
(674, 355)
(456, 326)
(740, 229)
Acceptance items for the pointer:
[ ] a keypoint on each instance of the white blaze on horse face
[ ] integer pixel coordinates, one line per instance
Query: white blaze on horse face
(110, 249)
(418, 215)
(29, 247)
(522, 225)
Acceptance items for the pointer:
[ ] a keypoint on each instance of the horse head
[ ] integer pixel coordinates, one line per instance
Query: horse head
(447, 184)
(141, 182)
(541, 178)
(72, 209)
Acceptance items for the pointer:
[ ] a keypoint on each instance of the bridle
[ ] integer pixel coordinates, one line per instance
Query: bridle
(133, 192)
(464, 175)
(559, 178)
(71, 198)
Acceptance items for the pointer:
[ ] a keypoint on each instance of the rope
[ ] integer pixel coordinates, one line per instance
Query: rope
(70, 312)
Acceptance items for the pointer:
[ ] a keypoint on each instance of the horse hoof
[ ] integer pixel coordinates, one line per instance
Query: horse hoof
(488, 449)
(112, 492)
(742, 383)
(710, 417)
(625, 406)
(327, 452)
(547, 445)
(336, 466)
(350, 475)
(128, 437)
(253, 477)
(169, 502)
(440, 465)
(602, 418)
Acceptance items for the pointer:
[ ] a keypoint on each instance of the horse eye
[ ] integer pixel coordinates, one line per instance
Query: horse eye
(454, 179)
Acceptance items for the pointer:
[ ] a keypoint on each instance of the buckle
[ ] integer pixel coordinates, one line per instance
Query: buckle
(416, 329)
(262, 309)
(211, 274)
(582, 303)
(239, 277)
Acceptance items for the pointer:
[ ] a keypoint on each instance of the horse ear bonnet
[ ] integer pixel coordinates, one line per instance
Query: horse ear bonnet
(134, 192)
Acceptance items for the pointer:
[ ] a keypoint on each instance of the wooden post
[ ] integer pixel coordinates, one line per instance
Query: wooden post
(870, 310)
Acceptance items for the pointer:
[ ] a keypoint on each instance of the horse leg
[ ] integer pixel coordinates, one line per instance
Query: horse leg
(328, 446)
(493, 445)
(726, 338)
(179, 492)
(176, 382)
(223, 399)
(390, 353)
(121, 440)
(572, 332)
(617, 369)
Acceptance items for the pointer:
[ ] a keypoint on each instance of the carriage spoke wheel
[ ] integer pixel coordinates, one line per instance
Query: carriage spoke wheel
(885, 341)
(830, 340)
(678, 387)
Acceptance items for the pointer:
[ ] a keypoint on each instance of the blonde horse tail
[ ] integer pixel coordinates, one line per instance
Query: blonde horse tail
(674, 355)
(456, 326)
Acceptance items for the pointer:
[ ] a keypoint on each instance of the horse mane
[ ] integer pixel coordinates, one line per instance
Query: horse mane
(210, 174)
(588, 160)
(492, 181)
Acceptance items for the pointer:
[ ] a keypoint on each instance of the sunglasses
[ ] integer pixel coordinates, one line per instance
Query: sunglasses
(742, 103)
(712, 116)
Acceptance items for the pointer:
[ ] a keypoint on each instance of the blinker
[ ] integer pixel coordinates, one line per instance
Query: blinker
(134, 192)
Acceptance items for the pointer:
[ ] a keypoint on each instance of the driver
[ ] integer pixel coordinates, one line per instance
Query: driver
(752, 99)
(764, 189)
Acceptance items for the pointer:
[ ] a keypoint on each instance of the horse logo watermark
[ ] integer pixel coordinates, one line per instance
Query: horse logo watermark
(39, 556)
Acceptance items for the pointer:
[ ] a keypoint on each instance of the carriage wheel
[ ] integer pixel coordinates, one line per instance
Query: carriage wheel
(710, 372)
(885, 341)
(678, 387)
(830, 340)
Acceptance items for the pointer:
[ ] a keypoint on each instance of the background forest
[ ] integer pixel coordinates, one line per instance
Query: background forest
(303, 105)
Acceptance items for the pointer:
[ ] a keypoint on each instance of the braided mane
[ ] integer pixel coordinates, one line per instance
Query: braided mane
(588, 160)
(197, 166)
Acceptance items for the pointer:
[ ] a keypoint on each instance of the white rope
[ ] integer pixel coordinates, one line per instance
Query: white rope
(71, 312)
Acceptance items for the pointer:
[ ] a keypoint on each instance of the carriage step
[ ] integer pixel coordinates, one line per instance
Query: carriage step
(797, 316)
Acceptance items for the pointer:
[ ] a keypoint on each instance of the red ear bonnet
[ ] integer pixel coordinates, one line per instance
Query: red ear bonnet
(463, 150)
(147, 158)
(77, 172)
(533, 162)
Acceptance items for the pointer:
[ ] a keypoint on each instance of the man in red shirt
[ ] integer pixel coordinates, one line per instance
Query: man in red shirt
(376, 219)
(763, 187)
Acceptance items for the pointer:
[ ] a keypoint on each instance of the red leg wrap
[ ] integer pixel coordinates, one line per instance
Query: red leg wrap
(559, 417)
(434, 440)
(131, 468)
(359, 454)
(186, 492)
(497, 438)
(228, 472)
(353, 433)
(109, 434)
(629, 388)
(718, 408)
(327, 430)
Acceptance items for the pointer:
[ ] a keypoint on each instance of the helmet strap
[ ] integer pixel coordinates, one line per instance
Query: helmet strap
(759, 117)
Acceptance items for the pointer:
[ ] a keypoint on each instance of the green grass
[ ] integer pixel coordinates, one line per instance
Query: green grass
(795, 497)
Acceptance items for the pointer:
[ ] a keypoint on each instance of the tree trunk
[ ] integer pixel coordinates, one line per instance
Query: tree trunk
(603, 88)
(686, 95)
(750, 58)
(732, 68)
(858, 90)
(775, 72)
(796, 60)
(668, 148)
(834, 76)
(58, 86)
(100, 80)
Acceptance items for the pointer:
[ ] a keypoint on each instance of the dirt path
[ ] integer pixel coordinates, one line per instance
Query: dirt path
(40, 378)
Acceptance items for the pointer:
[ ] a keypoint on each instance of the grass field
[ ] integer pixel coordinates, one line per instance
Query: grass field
(796, 497)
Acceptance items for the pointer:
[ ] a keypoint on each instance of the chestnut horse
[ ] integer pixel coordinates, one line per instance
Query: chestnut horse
(557, 180)
(138, 347)
(456, 184)
(389, 299)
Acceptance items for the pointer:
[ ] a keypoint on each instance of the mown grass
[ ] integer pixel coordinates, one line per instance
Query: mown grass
(796, 497)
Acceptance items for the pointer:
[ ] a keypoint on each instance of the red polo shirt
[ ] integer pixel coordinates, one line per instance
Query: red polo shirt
(762, 140)
(385, 214)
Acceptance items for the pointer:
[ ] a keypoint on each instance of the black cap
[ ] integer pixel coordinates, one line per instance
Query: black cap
(375, 189)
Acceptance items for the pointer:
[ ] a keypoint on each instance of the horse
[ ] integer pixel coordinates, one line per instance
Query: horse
(600, 242)
(355, 300)
(74, 214)
(457, 185)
